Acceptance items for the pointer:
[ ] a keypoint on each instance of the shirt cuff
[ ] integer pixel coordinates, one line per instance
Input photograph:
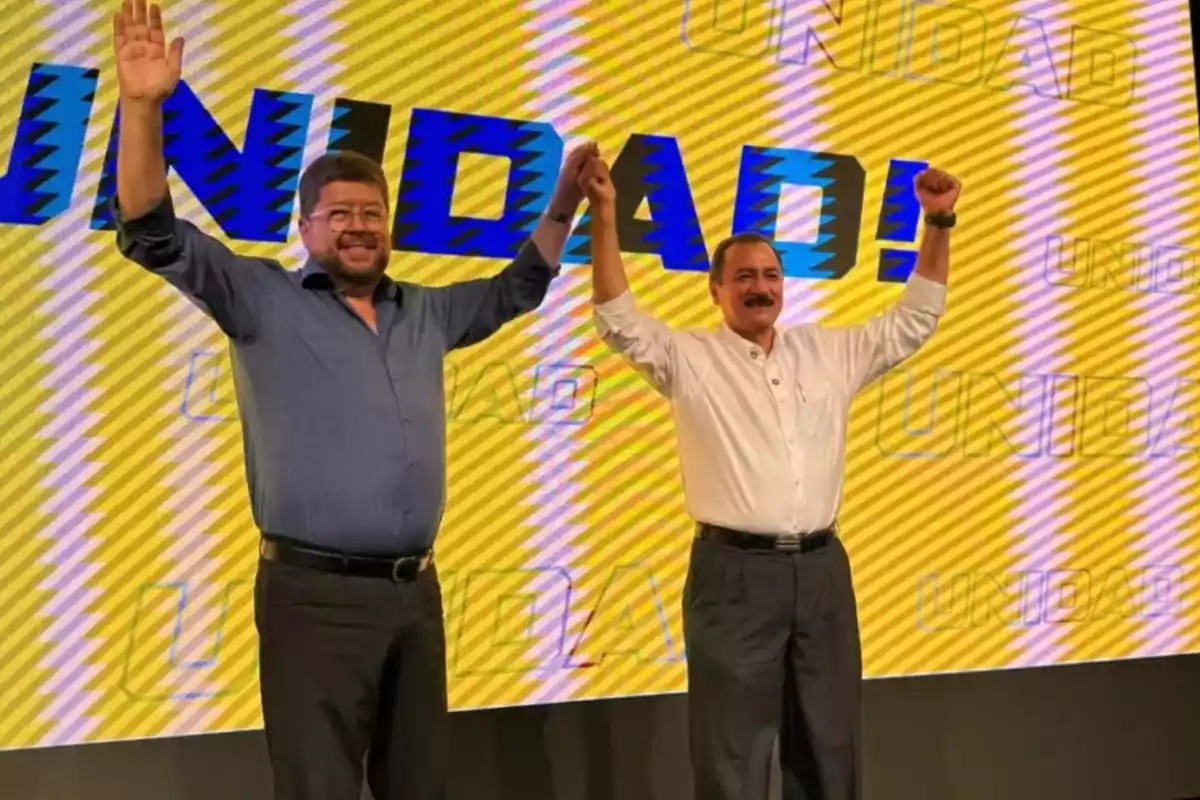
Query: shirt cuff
(159, 220)
(530, 256)
(923, 294)
(618, 305)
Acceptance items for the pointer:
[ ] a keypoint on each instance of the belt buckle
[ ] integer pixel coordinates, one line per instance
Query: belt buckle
(792, 543)
(404, 561)
(396, 565)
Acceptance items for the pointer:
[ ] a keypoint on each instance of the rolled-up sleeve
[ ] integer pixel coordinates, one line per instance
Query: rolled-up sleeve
(645, 343)
(867, 351)
(202, 268)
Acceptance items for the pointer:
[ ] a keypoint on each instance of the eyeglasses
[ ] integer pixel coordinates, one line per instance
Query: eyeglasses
(340, 218)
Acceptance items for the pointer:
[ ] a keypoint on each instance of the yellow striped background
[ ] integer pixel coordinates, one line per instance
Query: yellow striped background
(970, 557)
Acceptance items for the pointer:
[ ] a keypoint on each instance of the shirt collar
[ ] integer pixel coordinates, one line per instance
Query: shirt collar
(314, 276)
(744, 347)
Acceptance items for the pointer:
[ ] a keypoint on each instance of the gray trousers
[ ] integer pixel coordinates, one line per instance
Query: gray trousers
(773, 649)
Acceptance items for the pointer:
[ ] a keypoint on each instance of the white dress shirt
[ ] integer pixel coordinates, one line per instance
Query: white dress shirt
(762, 438)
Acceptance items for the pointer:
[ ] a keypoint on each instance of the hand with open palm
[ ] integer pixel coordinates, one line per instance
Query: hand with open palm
(147, 70)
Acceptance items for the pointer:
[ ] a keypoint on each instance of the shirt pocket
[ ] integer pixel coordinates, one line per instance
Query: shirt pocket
(817, 413)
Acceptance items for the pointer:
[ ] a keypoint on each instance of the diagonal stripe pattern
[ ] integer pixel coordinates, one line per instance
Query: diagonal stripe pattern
(1022, 492)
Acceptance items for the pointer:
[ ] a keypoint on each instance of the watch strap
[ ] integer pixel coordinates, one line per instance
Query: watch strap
(942, 219)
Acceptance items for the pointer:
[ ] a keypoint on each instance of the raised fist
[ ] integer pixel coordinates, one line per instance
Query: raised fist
(937, 191)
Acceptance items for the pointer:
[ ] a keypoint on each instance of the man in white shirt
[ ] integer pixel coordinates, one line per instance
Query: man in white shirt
(770, 622)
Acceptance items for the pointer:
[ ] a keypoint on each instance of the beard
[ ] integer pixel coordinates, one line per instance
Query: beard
(345, 262)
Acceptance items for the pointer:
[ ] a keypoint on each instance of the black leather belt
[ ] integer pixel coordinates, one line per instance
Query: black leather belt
(400, 568)
(789, 543)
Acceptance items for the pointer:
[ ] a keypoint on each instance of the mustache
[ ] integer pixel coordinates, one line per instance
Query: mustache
(758, 301)
(358, 239)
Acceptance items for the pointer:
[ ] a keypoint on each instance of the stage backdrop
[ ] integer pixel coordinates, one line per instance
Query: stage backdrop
(1024, 492)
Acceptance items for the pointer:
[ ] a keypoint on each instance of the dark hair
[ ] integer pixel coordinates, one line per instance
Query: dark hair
(717, 266)
(338, 165)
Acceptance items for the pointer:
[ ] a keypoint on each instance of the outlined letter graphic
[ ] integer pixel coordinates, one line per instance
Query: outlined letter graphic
(835, 32)
(743, 28)
(48, 144)
(190, 641)
(1067, 595)
(1175, 270)
(945, 43)
(628, 621)
(1118, 595)
(1025, 59)
(899, 219)
(1063, 268)
(1122, 265)
(563, 394)
(207, 395)
(511, 620)
(1006, 416)
(250, 192)
(918, 417)
(425, 222)
(943, 602)
(1103, 67)
(1176, 409)
(841, 179)
(997, 598)
(1163, 591)
(1116, 417)
(490, 393)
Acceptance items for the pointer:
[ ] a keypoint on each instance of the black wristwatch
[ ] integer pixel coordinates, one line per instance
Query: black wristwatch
(942, 219)
(561, 217)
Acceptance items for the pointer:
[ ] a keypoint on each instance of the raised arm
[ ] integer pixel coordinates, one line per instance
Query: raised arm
(148, 233)
(147, 72)
(872, 349)
(471, 311)
(643, 341)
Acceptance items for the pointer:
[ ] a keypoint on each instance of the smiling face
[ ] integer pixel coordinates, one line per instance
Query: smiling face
(344, 218)
(747, 283)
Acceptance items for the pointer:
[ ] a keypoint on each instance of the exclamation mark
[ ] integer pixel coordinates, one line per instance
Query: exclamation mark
(898, 220)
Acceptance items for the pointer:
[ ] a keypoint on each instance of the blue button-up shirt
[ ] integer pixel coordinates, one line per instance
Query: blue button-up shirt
(344, 429)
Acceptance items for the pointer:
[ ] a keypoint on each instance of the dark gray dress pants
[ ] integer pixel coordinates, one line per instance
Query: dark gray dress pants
(773, 649)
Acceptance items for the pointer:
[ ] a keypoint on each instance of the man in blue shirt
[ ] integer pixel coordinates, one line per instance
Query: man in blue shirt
(338, 372)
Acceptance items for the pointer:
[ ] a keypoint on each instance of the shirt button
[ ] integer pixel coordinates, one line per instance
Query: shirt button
(754, 354)
(775, 381)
